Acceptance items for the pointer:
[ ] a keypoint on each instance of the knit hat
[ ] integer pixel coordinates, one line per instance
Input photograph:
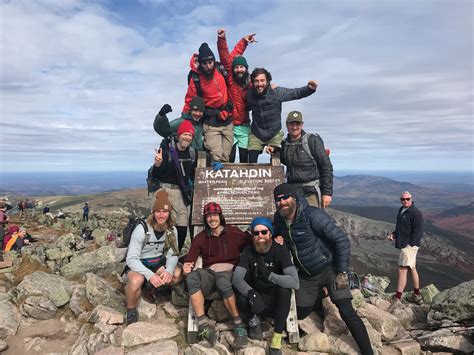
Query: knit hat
(162, 201)
(22, 229)
(294, 116)
(211, 207)
(239, 61)
(284, 189)
(263, 221)
(205, 53)
(13, 229)
(197, 103)
(185, 126)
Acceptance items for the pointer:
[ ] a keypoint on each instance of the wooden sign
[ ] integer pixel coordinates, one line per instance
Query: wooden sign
(243, 191)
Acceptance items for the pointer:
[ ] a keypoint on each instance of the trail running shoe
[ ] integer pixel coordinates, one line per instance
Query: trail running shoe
(208, 332)
(240, 337)
(255, 329)
(414, 298)
(132, 316)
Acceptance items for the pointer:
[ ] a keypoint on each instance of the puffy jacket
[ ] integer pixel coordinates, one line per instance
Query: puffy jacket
(314, 240)
(300, 166)
(409, 228)
(198, 139)
(266, 109)
(237, 92)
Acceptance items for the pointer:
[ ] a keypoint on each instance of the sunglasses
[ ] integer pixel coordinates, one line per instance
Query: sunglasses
(282, 197)
(262, 232)
(405, 199)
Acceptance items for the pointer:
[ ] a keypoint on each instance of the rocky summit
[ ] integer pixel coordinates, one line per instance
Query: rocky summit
(64, 295)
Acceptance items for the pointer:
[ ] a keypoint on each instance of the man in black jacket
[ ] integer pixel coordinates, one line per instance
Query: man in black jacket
(309, 168)
(321, 252)
(407, 236)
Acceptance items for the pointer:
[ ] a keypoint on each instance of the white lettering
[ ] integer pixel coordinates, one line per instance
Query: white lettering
(234, 174)
(253, 173)
(209, 174)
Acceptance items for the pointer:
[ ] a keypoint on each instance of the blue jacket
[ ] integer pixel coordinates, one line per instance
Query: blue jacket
(314, 240)
(409, 228)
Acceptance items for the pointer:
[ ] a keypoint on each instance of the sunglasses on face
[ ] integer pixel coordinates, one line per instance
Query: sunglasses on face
(405, 199)
(262, 232)
(282, 197)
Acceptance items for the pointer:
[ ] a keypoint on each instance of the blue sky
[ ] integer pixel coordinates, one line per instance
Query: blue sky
(81, 81)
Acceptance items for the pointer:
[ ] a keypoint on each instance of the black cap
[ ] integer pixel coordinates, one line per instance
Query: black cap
(205, 53)
(284, 189)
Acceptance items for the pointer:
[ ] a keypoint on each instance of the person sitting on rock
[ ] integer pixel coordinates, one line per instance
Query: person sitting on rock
(151, 263)
(264, 278)
(15, 239)
(219, 245)
(61, 214)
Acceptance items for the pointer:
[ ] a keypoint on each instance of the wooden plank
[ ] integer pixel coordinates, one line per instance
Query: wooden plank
(292, 321)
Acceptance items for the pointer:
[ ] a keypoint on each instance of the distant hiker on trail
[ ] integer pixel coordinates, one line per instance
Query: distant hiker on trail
(219, 245)
(151, 264)
(265, 104)
(174, 168)
(15, 239)
(85, 212)
(87, 233)
(207, 81)
(3, 221)
(165, 128)
(309, 168)
(321, 252)
(31, 209)
(61, 215)
(264, 278)
(46, 209)
(407, 236)
(21, 208)
(238, 81)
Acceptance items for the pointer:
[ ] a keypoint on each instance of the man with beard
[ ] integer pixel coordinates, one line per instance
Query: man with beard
(321, 252)
(265, 104)
(152, 259)
(206, 80)
(219, 245)
(237, 84)
(264, 278)
(174, 168)
(164, 128)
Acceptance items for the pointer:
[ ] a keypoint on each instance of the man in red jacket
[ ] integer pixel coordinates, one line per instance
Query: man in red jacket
(238, 81)
(219, 246)
(206, 81)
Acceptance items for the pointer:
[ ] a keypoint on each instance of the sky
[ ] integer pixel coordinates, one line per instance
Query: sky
(81, 81)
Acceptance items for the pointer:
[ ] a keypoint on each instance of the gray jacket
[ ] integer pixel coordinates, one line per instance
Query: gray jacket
(266, 109)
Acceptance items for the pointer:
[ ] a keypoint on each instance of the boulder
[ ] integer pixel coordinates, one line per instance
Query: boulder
(386, 324)
(99, 292)
(38, 307)
(410, 347)
(357, 298)
(3, 345)
(333, 323)
(251, 350)
(446, 340)
(146, 332)
(409, 315)
(218, 312)
(100, 262)
(374, 285)
(9, 319)
(343, 344)
(199, 349)
(79, 303)
(455, 304)
(167, 347)
(146, 310)
(428, 293)
(316, 341)
(100, 236)
(106, 315)
(113, 350)
(374, 336)
(312, 323)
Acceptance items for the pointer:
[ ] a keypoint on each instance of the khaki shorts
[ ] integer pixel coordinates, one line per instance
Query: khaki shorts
(408, 256)
(179, 212)
(257, 144)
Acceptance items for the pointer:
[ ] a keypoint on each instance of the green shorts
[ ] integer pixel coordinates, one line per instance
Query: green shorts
(257, 144)
(241, 135)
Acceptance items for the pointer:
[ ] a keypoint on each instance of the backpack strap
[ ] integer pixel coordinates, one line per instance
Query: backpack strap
(197, 83)
(170, 242)
(307, 149)
(147, 233)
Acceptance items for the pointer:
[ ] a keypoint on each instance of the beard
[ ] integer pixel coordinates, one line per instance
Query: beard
(287, 212)
(241, 78)
(262, 247)
(208, 74)
(160, 227)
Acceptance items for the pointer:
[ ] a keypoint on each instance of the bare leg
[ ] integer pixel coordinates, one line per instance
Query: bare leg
(402, 278)
(133, 289)
(231, 306)
(197, 301)
(415, 277)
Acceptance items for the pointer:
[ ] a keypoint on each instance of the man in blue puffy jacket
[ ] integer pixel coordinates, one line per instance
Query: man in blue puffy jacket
(321, 253)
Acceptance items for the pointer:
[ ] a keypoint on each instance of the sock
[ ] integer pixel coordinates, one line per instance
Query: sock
(237, 320)
(398, 295)
(276, 341)
(201, 319)
(416, 291)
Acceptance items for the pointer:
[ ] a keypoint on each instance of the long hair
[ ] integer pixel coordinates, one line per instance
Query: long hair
(258, 71)
(154, 224)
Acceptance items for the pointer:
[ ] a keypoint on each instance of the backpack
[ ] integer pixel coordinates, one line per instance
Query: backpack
(305, 144)
(197, 82)
(133, 222)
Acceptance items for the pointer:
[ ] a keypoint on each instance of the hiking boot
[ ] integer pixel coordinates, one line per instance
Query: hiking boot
(274, 351)
(149, 293)
(208, 332)
(255, 329)
(414, 298)
(240, 337)
(132, 316)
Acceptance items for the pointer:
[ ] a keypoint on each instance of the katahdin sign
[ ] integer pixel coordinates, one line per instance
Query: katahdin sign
(243, 191)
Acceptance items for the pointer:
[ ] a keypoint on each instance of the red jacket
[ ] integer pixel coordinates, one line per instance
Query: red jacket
(225, 248)
(214, 90)
(237, 93)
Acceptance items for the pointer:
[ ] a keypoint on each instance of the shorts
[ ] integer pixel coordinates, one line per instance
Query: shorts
(310, 292)
(179, 211)
(241, 135)
(408, 256)
(209, 281)
(258, 144)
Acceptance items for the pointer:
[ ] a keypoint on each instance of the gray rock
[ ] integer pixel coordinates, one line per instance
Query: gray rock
(218, 312)
(316, 341)
(251, 350)
(3, 345)
(105, 315)
(357, 298)
(144, 333)
(113, 350)
(198, 349)
(374, 336)
(409, 315)
(386, 324)
(311, 324)
(39, 283)
(428, 293)
(9, 319)
(100, 262)
(408, 347)
(146, 310)
(167, 347)
(100, 236)
(98, 291)
(343, 344)
(445, 340)
(378, 285)
(333, 323)
(79, 303)
(455, 304)
(58, 254)
(38, 307)
(107, 329)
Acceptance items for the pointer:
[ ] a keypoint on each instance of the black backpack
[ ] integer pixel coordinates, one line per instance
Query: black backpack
(197, 82)
(133, 222)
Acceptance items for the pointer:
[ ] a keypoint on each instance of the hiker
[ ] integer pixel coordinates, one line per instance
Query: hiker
(207, 81)
(407, 236)
(321, 252)
(264, 278)
(194, 115)
(46, 209)
(174, 168)
(238, 81)
(219, 245)
(14, 240)
(265, 103)
(31, 209)
(21, 208)
(85, 212)
(87, 233)
(61, 215)
(308, 167)
(152, 260)
(3, 221)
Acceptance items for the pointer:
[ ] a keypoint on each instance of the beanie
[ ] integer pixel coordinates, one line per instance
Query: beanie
(239, 61)
(212, 207)
(162, 201)
(205, 53)
(13, 229)
(263, 221)
(185, 126)
(284, 189)
(197, 103)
